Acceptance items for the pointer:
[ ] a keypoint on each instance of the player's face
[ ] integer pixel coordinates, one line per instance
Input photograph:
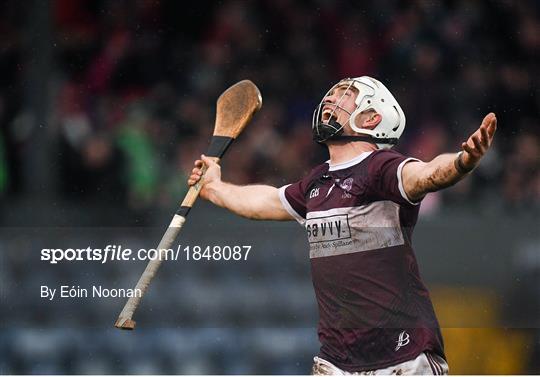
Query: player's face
(340, 103)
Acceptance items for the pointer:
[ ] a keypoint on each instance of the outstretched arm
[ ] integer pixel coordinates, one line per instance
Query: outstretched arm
(257, 202)
(445, 170)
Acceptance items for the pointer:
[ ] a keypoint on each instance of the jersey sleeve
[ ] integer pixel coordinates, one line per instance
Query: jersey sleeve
(386, 183)
(293, 196)
(293, 200)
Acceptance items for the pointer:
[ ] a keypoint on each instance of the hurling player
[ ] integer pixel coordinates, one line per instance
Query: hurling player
(359, 210)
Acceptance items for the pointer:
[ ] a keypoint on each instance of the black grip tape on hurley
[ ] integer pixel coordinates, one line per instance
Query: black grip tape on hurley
(183, 211)
(218, 146)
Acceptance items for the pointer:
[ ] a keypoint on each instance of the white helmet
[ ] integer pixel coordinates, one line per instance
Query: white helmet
(372, 95)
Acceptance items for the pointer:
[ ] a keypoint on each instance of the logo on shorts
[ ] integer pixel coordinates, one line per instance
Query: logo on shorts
(403, 340)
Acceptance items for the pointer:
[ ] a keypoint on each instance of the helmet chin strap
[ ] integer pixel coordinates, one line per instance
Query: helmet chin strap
(370, 139)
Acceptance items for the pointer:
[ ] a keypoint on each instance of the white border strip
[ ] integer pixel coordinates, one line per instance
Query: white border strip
(288, 207)
(400, 181)
(348, 164)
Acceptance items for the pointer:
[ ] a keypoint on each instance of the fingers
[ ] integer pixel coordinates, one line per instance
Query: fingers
(488, 128)
(481, 144)
(197, 171)
(198, 167)
(487, 119)
(207, 160)
(480, 141)
(194, 177)
(492, 127)
(484, 133)
(467, 148)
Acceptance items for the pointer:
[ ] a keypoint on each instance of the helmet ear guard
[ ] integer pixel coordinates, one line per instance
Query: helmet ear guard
(372, 95)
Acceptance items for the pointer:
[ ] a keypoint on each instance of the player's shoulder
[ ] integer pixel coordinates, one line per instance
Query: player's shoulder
(383, 160)
(381, 154)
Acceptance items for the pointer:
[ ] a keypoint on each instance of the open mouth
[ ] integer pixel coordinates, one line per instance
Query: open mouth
(327, 114)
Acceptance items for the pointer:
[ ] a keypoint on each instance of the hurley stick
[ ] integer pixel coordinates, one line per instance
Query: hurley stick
(235, 108)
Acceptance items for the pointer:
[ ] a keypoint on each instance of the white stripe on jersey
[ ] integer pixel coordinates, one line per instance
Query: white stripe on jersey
(288, 207)
(400, 180)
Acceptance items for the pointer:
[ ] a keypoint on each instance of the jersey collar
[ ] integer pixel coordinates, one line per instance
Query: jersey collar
(348, 164)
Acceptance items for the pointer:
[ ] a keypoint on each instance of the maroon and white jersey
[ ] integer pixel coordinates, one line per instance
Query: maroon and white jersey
(374, 309)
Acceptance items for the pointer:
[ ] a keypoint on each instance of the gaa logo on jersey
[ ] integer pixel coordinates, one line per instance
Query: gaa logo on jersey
(329, 228)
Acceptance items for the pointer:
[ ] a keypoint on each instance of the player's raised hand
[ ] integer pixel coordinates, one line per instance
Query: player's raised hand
(479, 142)
(213, 173)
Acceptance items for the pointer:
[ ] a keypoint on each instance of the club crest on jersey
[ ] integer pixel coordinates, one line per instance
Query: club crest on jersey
(403, 340)
(314, 193)
(346, 185)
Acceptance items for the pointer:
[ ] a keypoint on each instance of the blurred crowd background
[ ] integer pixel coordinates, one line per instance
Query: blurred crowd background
(104, 105)
(129, 89)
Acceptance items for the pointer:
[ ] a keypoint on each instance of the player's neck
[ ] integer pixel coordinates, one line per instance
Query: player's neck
(343, 152)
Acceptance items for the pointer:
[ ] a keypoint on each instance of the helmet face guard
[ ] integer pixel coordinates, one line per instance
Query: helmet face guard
(371, 95)
(324, 130)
